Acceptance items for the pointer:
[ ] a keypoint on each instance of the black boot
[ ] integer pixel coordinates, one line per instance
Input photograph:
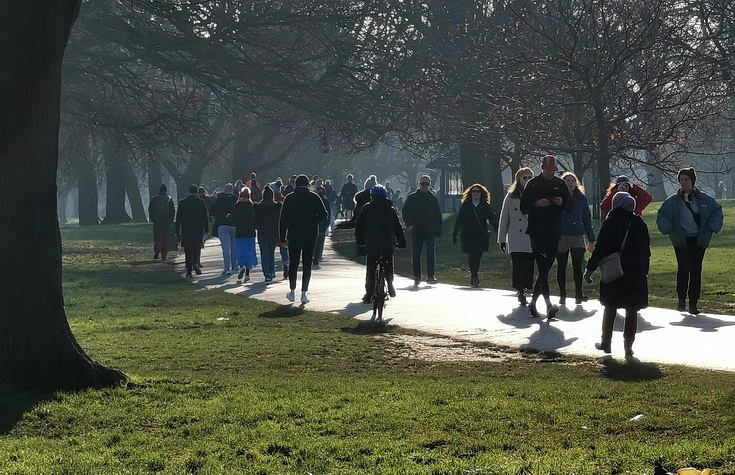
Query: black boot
(580, 297)
(681, 305)
(562, 297)
(522, 298)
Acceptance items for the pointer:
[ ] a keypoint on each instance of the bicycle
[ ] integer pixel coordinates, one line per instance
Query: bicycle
(380, 291)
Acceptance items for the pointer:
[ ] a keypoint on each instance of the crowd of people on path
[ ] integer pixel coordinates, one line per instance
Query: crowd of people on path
(543, 219)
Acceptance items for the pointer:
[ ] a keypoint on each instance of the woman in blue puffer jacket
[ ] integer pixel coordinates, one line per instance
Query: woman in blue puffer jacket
(689, 217)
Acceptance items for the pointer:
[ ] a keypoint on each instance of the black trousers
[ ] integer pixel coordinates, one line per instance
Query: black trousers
(192, 253)
(522, 270)
(561, 269)
(473, 259)
(689, 270)
(297, 251)
(544, 253)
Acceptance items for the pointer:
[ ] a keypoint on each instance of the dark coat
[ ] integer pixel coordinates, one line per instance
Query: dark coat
(472, 225)
(300, 215)
(631, 290)
(347, 195)
(241, 217)
(378, 227)
(265, 217)
(545, 223)
(192, 219)
(221, 209)
(161, 220)
(421, 211)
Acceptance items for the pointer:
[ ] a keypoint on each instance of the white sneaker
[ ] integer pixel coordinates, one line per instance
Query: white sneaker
(304, 298)
(291, 296)
(228, 272)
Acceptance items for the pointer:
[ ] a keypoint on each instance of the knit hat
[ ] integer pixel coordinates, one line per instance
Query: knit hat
(689, 172)
(549, 163)
(162, 189)
(621, 199)
(622, 179)
(302, 180)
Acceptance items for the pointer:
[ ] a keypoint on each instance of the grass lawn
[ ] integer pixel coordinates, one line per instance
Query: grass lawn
(224, 384)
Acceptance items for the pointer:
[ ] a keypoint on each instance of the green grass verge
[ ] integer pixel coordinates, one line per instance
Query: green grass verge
(225, 384)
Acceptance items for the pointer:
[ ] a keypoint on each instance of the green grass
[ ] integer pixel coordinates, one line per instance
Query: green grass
(718, 292)
(273, 389)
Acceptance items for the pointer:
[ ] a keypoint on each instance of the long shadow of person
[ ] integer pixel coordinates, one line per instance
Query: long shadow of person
(547, 338)
(705, 324)
(631, 369)
(520, 317)
(643, 324)
(576, 314)
(283, 311)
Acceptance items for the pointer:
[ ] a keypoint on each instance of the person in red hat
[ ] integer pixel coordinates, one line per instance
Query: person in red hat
(543, 200)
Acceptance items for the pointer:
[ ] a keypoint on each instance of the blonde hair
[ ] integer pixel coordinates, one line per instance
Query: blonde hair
(516, 187)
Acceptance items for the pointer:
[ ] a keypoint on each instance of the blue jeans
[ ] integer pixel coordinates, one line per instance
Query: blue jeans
(267, 255)
(417, 245)
(226, 236)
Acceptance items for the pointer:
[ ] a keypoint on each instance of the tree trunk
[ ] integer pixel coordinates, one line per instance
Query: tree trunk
(37, 347)
(115, 212)
(155, 177)
(132, 189)
(88, 196)
(471, 157)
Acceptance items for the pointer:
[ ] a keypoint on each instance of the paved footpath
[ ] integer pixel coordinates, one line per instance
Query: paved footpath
(488, 315)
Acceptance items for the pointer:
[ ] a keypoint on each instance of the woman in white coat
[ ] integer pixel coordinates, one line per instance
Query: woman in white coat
(512, 236)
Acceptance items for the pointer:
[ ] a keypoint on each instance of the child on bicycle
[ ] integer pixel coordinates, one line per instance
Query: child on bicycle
(379, 230)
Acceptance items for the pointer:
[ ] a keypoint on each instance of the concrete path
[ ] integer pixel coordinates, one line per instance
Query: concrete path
(488, 315)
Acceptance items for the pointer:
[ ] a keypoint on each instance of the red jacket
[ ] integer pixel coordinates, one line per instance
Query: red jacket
(642, 199)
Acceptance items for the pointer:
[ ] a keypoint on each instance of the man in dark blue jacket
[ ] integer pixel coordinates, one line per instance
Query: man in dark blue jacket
(298, 228)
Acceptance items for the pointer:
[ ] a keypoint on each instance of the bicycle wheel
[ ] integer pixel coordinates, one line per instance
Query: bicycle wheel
(379, 293)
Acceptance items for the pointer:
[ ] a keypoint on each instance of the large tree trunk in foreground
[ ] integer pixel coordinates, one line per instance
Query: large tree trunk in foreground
(37, 347)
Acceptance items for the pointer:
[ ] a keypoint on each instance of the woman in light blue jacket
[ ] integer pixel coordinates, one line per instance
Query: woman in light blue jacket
(689, 217)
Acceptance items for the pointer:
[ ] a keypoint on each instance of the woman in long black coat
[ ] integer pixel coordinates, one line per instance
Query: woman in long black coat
(475, 214)
(631, 290)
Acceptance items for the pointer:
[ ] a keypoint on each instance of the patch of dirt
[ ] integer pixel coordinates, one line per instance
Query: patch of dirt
(441, 349)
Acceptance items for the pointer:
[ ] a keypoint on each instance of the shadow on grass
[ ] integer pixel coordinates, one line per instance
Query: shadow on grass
(631, 369)
(284, 311)
(370, 327)
(15, 405)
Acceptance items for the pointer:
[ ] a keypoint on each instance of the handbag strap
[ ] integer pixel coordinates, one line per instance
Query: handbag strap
(479, 223)
(696, 216)
(625, 239)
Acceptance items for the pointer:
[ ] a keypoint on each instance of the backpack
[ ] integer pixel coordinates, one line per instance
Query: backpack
(160, 207)
(255, 193)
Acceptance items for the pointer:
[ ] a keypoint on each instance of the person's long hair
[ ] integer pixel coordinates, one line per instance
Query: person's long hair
(578, 187)
(484, 194)
(516, 188)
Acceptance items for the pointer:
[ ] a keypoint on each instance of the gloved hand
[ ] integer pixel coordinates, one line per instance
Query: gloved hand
(588, 276)
(454, 239)
(503, 247)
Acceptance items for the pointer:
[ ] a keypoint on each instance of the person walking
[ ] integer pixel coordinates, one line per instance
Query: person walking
(192, 222)
(397, 201)
(253, 185)
(512, 236)
(323, 227)
(161, 212)
(265, 217)
(623, 183)
(379, 230)
(473, 218)
(689, 217)
(223, 228)
(242, 219)
(423, 219)
(575, 224)
(626, 233)
(298, 228)
(543, 200)
(347, 196)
